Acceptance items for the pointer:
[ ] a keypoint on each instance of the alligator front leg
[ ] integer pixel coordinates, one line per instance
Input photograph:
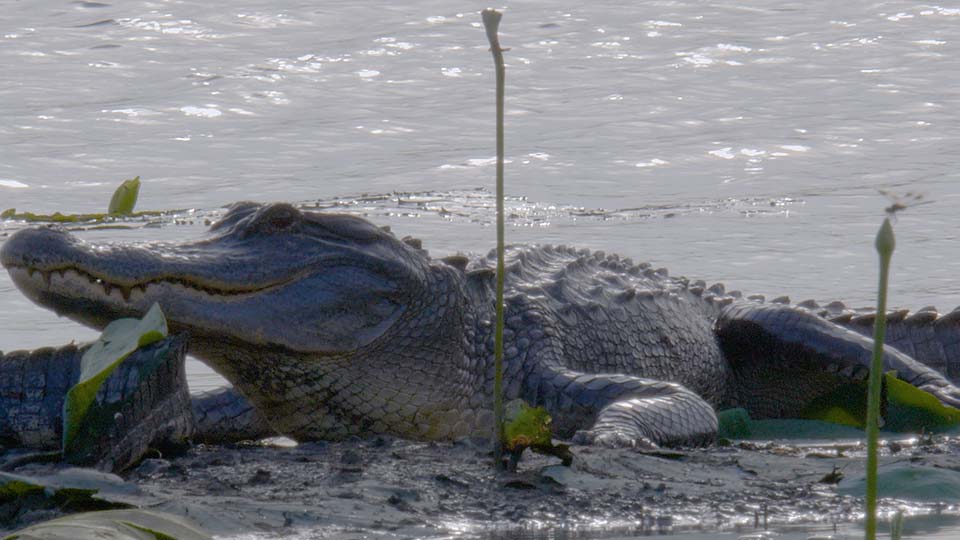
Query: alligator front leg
(622, 410)
(223, 415)
(784, 357)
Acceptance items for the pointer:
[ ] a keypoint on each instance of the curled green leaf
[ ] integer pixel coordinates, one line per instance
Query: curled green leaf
(119, 339)
(125, 197)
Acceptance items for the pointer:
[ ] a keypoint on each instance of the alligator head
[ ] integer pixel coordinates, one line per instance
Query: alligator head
(311, 315)
(269, 276)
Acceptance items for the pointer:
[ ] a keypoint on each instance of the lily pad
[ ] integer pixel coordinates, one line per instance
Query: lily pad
(67, 490)
(114, 525)
(119, 339)
(906, 480)
(906, 408)
(125, 197)
(57, 217)
(737, 424)
(842, 414)
(525, 426)
(912, 409)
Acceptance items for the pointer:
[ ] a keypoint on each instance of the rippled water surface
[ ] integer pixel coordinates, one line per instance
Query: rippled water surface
(742, 142)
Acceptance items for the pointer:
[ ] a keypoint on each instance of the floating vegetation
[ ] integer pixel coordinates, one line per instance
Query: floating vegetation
(121, 206)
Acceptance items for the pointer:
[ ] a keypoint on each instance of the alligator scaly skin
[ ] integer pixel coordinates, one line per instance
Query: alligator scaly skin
(149, 387)
(333, 327)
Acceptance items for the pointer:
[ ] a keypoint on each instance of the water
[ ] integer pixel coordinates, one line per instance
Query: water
(752, 139)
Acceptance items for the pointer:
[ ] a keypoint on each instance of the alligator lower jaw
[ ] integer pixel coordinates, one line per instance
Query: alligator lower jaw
(91, 287)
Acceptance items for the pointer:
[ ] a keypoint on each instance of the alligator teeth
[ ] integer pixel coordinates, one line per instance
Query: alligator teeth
(46, 277)
(125, 292)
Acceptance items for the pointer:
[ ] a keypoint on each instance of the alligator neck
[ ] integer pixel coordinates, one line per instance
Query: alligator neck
(408, 382)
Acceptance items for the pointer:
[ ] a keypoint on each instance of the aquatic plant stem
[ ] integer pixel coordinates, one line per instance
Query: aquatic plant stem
(884, 244)
(491, 22)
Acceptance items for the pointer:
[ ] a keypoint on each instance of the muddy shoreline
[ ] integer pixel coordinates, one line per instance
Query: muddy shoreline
(390, 488)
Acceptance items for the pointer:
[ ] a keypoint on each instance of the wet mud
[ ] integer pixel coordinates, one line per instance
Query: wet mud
(389, 488)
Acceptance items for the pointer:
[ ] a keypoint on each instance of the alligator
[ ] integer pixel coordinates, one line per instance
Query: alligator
(144, 403)
(333, 327)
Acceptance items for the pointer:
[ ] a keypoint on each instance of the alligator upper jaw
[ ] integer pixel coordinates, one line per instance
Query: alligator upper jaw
(206, 266)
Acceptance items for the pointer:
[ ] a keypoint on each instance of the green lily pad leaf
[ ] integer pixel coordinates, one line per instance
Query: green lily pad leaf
(737, 424)
(525, 426)
(12, 489)
(913, 409)
(68, 490)
(114, 525)
(119, 339)
(845, 405)
(125, 197)
(733, 424)
(907, 408)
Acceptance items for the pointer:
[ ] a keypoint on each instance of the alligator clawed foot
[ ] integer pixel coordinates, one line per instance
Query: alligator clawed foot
(613, 438)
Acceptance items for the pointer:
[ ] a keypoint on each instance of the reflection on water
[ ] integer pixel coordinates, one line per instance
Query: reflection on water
(928, 526)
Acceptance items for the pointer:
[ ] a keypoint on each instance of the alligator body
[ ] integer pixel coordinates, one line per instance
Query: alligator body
(333, 327)
(144, 403)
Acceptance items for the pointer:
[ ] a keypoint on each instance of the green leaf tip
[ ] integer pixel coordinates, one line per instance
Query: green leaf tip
(119, 339)
(157, 535)
(125, 197)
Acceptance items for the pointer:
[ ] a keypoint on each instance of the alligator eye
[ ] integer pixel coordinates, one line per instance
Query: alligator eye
(280, 217)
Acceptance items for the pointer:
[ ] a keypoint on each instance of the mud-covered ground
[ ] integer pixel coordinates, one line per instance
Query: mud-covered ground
(387, 488)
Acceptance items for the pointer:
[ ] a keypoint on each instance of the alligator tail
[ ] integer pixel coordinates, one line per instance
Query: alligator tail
(926, 335)
(32, 389)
